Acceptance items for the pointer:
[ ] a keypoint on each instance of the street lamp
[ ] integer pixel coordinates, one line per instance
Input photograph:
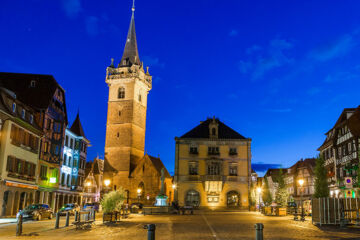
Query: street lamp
(88, 184)
(301, 182)
(259, 191)
(139, 194)
(107, 182)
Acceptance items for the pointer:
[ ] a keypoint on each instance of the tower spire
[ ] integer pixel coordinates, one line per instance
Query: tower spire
(131, 54)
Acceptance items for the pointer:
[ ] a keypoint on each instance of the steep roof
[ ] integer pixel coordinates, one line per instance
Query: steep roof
(202, 131)
(354, 122)
(76, 127)
(158, 164)
(20, 83)
(131, 54)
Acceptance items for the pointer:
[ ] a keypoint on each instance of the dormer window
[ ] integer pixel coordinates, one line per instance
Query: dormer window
(33, 83)
(14, 107)
(23, 114)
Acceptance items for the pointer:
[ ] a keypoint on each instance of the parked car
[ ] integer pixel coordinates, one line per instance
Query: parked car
(89, 206)
(69, 207)
(36, 212)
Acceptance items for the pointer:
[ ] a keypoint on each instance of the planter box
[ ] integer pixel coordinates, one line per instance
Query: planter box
(280, 211)
(111, 217)
(267, 211)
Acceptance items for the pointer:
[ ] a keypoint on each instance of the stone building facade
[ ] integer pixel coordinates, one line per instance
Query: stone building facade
(129, 85)
(212, 166)
(19, 153)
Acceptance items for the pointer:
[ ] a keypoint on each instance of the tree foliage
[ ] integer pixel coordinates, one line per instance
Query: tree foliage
(266, 195)
(252, 195)
(282, 194)
(321, 184)
(113, 201)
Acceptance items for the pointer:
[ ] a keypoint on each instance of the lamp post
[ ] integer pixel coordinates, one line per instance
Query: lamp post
(139, 194)
(301, 182)
(259, 191)
(107, 184)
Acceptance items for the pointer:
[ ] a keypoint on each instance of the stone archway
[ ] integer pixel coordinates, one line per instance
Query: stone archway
(22, 201)
(233, 199)
(192, 198)
(6, 203)
(16, 203)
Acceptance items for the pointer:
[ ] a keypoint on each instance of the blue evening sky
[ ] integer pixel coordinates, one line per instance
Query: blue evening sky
(279, 72)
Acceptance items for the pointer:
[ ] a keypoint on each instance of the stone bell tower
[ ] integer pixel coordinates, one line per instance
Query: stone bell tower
(129, 86)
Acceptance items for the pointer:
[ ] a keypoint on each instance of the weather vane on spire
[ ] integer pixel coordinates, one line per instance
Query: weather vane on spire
(133, 6)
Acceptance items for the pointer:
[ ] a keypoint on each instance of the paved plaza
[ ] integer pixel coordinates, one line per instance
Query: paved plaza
(202, 225)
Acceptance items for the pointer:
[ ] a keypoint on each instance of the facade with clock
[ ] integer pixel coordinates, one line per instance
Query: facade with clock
(212, 166)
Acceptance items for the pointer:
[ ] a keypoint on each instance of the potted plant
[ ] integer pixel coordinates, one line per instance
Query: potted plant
(111, 205)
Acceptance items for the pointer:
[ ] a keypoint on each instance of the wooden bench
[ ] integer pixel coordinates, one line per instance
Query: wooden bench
(190, 209)
(85, 220)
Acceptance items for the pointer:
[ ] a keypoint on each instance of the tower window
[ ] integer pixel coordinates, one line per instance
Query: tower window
(119, 113)
(118, 134)
(121, 93)
(139, 97)
(32, 83)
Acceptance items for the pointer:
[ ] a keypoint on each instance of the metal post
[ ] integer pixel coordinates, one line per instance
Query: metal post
(302, 207)
(67, 219)
(151, 231)
(259, 231)
(94, 214)
(19, 225)
(57, 221)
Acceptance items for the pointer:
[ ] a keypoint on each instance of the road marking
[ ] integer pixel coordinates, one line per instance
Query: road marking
(211, 228)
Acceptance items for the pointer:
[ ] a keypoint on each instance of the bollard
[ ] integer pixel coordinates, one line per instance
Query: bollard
(259, 231)
(151, 231)
(19, 225)
(67, 219)
(57, 221)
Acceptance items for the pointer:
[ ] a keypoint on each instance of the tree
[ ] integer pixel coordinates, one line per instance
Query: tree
(252, 195)
(113, 201)
(321, 184)
(266, 195)
(282, 194)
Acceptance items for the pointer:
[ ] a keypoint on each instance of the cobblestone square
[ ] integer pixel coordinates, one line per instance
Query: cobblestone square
(201, 225)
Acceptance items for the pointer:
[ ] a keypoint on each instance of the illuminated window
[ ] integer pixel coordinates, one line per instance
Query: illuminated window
(121, 93)
(14, 107)
(31, 119)
(193, 168)
(23, 114)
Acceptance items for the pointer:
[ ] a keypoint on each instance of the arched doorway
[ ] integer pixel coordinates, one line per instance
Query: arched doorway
(233, 199)
(192, 198)
(37, 196)
(22, 200)
(16, 204)
(6, 199)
